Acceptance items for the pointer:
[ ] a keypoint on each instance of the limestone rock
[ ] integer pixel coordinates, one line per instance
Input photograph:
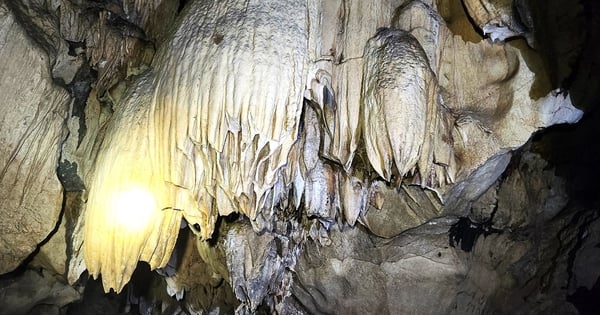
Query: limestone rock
(525, 198)
(363, 274)
(404, 123)
(403, 208)
(113, 36)
(260, 267)
(213, 143)
(32, 127)
(496, 104)
(200, 275)
(498, 18)
(508, 270)
(336, 47)
(130, 214)
(52, 255)
(208, 148)
(29, 292)
(296, 120)
(588, 255)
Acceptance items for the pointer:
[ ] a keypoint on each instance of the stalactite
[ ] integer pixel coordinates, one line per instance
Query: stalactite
(303, 117)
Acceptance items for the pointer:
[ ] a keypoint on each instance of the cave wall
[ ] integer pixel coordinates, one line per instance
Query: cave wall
(32, 128)
(374, 166)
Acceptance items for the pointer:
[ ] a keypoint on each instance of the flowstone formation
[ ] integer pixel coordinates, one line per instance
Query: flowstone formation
(282, 156)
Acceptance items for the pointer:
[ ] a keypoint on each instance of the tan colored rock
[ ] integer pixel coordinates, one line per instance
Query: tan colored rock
(36, 292)
(31, 128)
(115, 36)
(457, 20)
(337, 42)
(496, 103)
(197, 140)
(52, 254)
(201, 276)
(496, 18)
(214, 127)
(131, 214)
(402, 208)
(404, 124)
(364, 274)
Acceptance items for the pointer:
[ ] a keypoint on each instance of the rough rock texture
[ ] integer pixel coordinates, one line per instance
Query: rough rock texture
(307, 157)
(36, 293)
(260, 268)
(360, 273)
(405, 124)
(206, 150)
(554, 27)
(31, 127)
(189, 139)
(198, 271)
(128, 216)
(500, 19)
(497, 104)
(400, 209)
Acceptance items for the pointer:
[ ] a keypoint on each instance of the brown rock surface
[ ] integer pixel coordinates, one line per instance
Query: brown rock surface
(32, 115)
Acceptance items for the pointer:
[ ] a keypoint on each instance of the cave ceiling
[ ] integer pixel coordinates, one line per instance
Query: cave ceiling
(305, 157)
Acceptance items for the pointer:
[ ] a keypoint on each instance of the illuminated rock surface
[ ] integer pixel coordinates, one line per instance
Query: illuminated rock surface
(317, 157)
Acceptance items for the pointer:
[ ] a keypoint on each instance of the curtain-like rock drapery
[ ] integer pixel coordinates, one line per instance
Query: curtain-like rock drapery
(240, 109)
(206, 133)
(345, 127)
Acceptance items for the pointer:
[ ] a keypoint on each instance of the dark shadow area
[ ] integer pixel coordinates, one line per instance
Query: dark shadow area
(95, 301)
(586, 301)
(574, 152)
(182, 4)
(144, 294)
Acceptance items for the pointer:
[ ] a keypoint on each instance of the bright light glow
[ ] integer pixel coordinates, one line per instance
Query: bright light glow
(133, 208)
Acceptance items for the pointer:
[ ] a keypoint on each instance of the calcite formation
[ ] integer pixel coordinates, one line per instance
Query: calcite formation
(215, 127)
(405, 126)
(195, 145)
(291, 157)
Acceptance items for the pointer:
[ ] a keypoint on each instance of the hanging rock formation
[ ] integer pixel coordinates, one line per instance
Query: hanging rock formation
(316, 157)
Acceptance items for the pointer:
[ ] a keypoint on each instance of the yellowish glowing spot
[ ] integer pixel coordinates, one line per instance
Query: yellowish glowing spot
(133, 209)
